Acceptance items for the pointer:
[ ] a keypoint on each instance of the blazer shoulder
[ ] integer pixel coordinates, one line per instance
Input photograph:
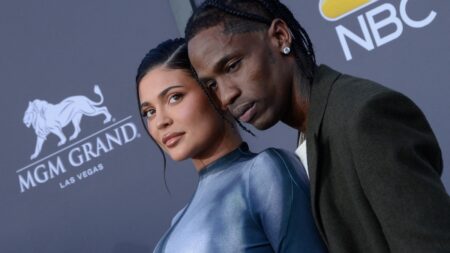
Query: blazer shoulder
(356, 89)
(350, 95)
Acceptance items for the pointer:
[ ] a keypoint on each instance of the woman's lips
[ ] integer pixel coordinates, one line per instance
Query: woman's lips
(248, 114)
(172, 139)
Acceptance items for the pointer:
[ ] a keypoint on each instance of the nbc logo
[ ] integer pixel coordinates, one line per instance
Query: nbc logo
(371, 22)
(333, 10)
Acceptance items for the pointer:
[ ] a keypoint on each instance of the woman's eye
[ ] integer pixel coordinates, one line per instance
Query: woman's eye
(175, 98)
(148, 113)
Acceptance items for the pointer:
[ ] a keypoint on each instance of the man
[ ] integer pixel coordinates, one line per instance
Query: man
(373, 160)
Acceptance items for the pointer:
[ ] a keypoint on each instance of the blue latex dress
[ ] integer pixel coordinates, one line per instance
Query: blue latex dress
(247, 202)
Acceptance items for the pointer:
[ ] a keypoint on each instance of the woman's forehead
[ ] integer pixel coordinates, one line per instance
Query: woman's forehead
(158, 79)
(163, 76)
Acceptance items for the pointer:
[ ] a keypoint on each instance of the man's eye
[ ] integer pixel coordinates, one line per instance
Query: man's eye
(211, 85)
(175, 98)
(233, 66)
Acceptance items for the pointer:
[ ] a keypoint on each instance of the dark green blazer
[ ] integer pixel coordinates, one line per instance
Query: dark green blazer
(375, 168)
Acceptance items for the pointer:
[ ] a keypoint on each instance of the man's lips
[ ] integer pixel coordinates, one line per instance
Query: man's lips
(245, 112)
(171, 139)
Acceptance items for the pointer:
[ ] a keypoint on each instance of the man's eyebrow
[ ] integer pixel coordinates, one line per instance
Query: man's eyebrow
(219, 65)
(163, 93)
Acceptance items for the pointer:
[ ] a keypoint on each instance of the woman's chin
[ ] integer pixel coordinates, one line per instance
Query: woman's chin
(178, 156)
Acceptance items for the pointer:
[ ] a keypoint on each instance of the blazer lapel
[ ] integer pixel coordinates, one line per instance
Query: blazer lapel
(320, 90)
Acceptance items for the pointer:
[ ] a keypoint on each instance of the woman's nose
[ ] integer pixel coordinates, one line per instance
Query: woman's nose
(163, 121)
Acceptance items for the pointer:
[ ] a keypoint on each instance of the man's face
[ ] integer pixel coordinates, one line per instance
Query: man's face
(246, 72)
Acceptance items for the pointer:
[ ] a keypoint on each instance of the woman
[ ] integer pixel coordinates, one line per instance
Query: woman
(244, 202)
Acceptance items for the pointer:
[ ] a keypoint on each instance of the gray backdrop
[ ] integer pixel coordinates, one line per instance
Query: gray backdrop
(103, 190)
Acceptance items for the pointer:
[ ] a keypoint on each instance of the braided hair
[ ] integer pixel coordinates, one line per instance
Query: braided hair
(240, 16)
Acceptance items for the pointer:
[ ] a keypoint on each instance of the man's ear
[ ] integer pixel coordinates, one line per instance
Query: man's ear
(280, 35)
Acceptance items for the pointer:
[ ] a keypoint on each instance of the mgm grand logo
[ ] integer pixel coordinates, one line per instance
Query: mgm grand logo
(48, 119)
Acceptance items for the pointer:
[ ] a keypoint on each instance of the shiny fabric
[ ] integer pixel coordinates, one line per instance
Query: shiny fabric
(247, 202)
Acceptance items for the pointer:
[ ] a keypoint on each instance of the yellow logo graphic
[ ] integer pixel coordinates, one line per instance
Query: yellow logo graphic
(333, 10)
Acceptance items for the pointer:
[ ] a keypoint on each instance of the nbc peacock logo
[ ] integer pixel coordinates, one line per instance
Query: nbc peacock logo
(371, 22)
(333, 10)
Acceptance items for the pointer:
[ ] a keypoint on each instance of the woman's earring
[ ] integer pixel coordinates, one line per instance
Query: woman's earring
(286, 50)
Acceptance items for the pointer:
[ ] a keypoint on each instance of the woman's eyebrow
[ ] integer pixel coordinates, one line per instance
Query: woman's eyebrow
(162, 93)
(144, 104)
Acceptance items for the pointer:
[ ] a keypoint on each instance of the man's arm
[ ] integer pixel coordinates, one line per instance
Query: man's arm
(399, 164)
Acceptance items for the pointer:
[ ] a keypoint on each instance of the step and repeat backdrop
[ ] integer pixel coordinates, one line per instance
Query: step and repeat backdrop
(95, 182)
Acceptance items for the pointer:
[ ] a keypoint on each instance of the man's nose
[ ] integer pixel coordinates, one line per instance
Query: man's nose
(228, 94)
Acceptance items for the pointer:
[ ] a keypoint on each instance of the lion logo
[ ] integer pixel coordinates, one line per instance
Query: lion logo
(47, 118)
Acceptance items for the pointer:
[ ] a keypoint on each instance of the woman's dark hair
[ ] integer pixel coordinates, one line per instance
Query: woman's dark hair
(171, 54)
(240, 16)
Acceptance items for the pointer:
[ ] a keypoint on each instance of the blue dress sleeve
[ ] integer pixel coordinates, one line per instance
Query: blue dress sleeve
(177, 216)
(279, 201)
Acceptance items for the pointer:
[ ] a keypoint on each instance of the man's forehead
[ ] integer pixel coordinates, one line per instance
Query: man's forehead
(209, 40)
(211, 45)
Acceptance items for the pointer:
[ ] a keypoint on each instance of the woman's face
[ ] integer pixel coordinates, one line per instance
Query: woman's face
(178, 113)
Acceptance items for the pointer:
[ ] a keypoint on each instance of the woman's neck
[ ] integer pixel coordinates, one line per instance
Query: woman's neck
(228, 142)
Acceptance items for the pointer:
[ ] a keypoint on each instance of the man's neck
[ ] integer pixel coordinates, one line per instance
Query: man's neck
(296, 115)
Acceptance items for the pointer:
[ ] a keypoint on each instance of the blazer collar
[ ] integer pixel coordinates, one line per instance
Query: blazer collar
(323, 81)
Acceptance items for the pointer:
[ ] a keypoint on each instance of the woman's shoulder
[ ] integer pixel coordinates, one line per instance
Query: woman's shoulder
(177, 216)
(274, 163)
(275, 179)
(276, 155)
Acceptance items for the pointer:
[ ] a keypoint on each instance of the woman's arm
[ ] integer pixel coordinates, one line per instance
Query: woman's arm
(279, 200)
